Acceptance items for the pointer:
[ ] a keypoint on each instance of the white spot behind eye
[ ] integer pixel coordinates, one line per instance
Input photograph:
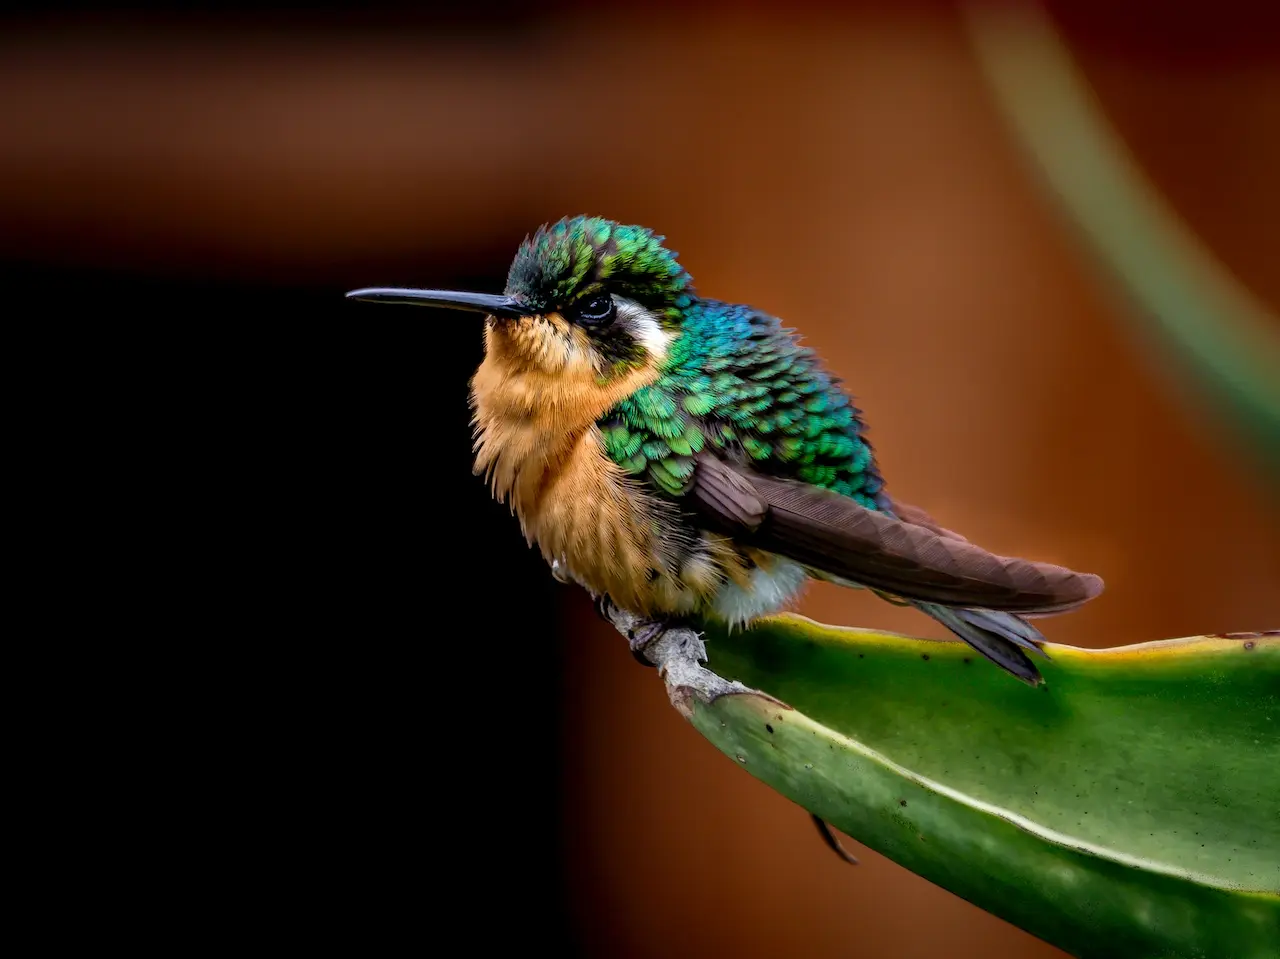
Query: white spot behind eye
(644, 326)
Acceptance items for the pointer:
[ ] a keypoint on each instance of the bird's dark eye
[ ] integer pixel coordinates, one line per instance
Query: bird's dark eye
(592, 310)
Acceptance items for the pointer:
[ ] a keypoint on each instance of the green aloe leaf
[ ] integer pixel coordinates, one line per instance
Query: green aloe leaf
(1130, 807)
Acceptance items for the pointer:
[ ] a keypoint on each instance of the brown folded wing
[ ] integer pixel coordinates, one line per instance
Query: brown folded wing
(837, 536)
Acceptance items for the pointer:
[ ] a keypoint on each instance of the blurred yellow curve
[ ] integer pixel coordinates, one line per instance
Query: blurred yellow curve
(1223, 339)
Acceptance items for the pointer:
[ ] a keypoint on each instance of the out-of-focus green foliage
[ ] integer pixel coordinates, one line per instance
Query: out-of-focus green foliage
(1128, 808)
(1224, 343)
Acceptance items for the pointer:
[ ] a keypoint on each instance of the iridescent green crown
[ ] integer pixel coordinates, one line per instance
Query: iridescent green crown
(581, 255)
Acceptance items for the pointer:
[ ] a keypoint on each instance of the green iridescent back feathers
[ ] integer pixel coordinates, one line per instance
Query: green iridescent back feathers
(737, 379)
(734, 379)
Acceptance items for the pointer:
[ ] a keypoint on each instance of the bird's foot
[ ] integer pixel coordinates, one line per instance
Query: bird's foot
(639, 632)
(679, 653)
(644, 634)
(604, 607)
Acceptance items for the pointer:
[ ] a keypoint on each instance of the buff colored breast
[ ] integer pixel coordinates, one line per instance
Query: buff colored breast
(537, 443)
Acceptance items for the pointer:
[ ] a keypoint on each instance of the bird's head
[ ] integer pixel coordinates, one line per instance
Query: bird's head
(583, 294)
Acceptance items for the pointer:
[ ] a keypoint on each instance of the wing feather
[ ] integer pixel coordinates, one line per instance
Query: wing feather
(837, 536)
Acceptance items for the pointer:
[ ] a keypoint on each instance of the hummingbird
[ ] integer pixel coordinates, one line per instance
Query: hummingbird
(687, 459)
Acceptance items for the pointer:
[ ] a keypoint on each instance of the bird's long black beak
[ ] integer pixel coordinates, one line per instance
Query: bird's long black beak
(503, 306)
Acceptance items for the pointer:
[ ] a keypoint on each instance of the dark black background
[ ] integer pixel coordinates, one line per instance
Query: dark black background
(295, 707)
(317, 705)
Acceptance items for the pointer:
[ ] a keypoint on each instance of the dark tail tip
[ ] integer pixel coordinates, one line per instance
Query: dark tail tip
(1001, 637)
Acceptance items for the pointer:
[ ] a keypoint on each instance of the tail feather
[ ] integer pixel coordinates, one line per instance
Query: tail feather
(999, 636)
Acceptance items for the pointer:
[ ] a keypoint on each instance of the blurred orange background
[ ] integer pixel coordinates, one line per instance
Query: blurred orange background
(844, 168)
